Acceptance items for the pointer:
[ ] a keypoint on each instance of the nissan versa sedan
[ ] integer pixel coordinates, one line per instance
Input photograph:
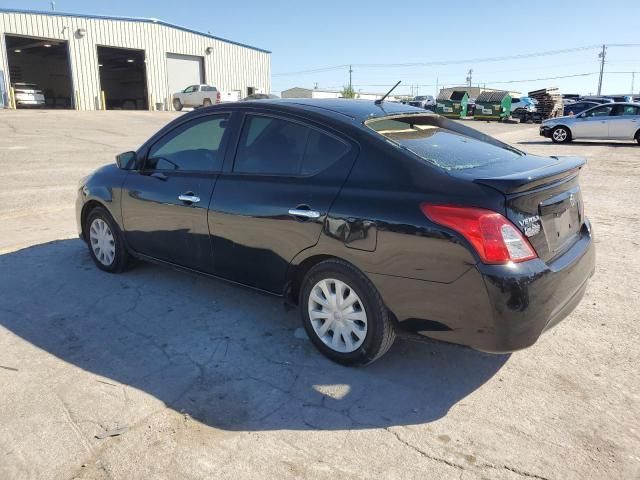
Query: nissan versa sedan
(612, 121)
(369, 217)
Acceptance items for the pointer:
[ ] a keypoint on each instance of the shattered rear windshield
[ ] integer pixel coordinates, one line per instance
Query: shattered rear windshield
(426, 137)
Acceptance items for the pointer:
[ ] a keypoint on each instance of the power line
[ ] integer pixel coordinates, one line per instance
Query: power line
(458, 62)
(482, 60)
(315, 70)
(586, 74)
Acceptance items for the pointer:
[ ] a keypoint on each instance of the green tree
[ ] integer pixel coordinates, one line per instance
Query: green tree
(348, 92)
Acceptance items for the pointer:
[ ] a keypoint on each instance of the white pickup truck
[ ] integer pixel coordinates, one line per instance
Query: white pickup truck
(196, 96)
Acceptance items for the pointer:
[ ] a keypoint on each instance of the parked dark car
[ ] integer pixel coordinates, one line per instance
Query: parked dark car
(597, 99)
(369, 217)
(578, 107)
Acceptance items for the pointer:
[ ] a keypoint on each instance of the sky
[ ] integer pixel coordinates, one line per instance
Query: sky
(317, 35)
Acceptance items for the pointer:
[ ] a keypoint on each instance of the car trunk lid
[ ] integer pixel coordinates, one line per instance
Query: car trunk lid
(542, 194)
(545, 203)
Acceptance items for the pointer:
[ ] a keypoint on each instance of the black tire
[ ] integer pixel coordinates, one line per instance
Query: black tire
(638, 137)
(380, 332)
(121, 257)
(206, 102)
(561, 134)
(177, 104)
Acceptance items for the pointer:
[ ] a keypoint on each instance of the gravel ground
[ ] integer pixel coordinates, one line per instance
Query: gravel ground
(201, 379)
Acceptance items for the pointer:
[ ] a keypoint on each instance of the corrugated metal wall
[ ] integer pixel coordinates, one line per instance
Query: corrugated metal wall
(228, 66)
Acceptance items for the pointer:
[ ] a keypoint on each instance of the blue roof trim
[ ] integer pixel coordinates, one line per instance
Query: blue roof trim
(129, 19)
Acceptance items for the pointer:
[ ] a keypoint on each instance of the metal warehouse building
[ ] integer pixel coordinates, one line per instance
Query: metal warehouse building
(94, 62)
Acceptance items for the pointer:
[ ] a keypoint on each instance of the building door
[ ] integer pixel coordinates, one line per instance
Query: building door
(39, 71)
(182, 71)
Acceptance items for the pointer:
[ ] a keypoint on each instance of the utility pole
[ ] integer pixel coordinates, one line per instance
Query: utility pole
(437, 91)
(469, 77)
(350, 72)
(633, 81)
(601, 56)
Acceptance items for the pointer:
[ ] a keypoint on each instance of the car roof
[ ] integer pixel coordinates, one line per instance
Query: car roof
(613, 104)
(359, 110)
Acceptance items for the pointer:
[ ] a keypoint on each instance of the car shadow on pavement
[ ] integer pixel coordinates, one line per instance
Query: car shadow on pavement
(227, 356)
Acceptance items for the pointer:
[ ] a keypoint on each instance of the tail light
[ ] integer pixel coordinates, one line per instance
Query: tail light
(495, 239)
(217, 97)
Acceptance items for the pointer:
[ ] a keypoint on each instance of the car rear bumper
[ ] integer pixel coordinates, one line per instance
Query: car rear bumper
(31, 103)
(494, 308)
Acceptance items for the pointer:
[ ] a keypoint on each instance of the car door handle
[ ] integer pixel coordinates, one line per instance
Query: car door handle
(189, 197)
(305, 213)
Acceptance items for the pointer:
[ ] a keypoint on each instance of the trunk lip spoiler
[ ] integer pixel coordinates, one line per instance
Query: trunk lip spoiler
(532, 179)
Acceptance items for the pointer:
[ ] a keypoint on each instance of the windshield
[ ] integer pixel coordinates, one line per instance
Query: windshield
(429, 137)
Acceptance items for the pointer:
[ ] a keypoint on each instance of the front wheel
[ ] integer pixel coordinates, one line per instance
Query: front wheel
(177, 104)
(106, 245)
(561, 135)
(343, 314)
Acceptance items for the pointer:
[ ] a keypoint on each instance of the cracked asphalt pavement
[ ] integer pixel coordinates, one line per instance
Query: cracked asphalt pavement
(159, 374)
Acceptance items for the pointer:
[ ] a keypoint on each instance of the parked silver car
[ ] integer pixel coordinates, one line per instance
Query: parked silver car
(424, 101)
(612, 121)
(28, 95)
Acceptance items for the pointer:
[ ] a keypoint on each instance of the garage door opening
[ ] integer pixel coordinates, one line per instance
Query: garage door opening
(123, 78)
(39, 72)
(183, 71)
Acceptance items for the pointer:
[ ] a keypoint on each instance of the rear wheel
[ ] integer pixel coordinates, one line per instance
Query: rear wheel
(104, 239)
(177, 104)
(206, 103)
(638, 137)
(561, 135)
(344, 315)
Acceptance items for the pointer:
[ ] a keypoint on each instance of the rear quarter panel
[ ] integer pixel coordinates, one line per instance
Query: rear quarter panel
(376, 222)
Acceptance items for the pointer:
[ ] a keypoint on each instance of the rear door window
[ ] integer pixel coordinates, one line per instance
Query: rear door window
(274, 146)
(625, 110)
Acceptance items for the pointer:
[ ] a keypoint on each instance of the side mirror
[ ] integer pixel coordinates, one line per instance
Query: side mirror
(126, 160)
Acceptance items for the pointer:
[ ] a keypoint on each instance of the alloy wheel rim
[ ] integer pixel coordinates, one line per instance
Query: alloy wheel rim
(560, 134)
(337, 315)
(102, 242)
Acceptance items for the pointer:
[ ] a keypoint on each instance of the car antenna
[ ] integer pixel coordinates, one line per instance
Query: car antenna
(380, 100)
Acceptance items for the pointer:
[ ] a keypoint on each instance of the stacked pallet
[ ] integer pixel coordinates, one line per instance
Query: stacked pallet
(550, 102)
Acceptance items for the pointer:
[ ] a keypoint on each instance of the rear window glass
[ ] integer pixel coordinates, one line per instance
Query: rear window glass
(443, 147)
(273, 146)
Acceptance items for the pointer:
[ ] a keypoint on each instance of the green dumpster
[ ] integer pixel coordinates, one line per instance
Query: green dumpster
(452, 104)
(494, 105)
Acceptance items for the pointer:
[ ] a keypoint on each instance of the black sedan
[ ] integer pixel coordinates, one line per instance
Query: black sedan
(369, 217)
